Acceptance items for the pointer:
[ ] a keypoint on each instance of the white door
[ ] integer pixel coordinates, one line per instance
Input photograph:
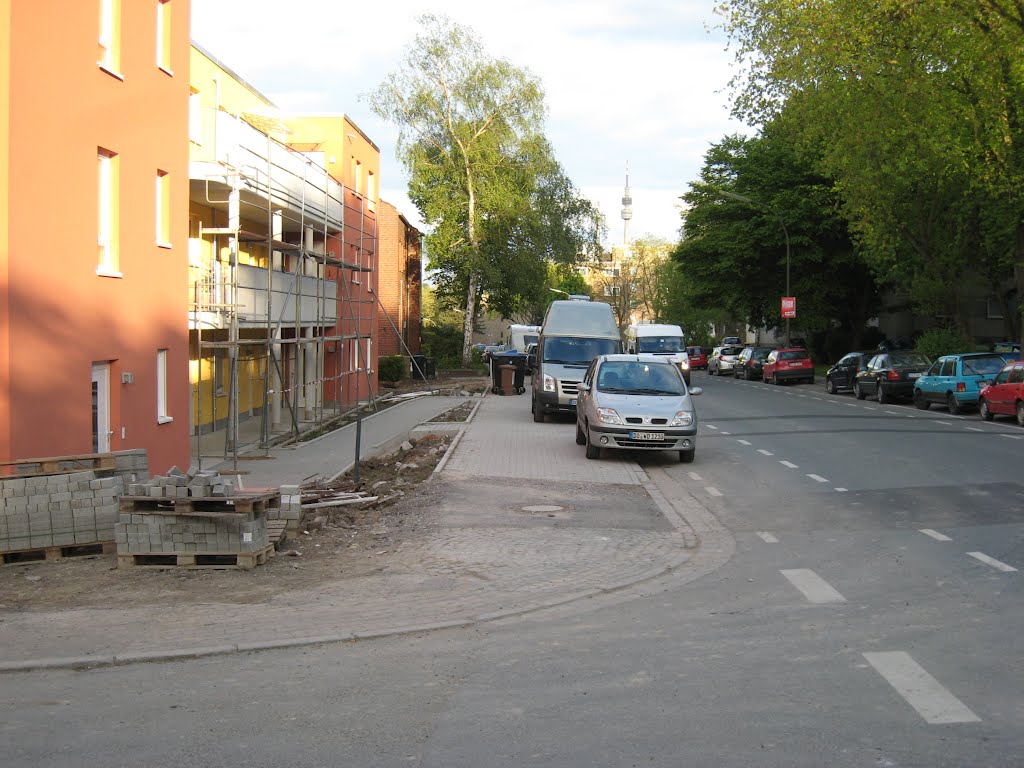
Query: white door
(101, 408)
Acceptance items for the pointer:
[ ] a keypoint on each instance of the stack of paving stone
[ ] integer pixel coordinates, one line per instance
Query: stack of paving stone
(193, 518)
(290, 510)
(177, 484)
(58, 510)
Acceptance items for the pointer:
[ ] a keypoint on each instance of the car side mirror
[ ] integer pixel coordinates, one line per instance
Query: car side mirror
(696, 391)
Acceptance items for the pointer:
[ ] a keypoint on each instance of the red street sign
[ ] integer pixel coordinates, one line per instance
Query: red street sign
(789, 306)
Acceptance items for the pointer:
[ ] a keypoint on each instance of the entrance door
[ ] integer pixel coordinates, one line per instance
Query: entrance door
(101, 408)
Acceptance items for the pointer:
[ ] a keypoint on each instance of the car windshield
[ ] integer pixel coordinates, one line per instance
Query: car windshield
(695, 350)
(760, 354)
(639, 378)
(983, 364)
(659, 344)
(570, 350)
(730, 350)
(909, 360)
(793, 354)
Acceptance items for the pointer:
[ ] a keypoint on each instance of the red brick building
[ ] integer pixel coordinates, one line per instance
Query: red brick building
(399, 282)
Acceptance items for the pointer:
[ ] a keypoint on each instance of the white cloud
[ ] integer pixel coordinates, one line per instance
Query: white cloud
(641, 82)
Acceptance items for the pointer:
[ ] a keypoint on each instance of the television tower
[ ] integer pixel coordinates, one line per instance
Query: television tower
(627, 211)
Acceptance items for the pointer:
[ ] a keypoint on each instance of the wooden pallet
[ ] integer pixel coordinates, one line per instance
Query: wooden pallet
(277, 532)
(57, 465)
(56, 553)
(201, 506)
(242, 561)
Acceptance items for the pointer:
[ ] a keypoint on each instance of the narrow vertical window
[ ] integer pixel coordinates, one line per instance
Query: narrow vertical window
(195, 118)
(110, 36)
(107, 224)
(163, 35)
(162, 416)
(356, 173)
(163, 209)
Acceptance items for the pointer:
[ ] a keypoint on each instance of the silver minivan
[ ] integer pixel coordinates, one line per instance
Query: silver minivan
(636, 402)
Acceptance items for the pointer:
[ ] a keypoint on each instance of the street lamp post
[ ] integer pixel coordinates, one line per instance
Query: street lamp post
(785, 234)
(559, 290)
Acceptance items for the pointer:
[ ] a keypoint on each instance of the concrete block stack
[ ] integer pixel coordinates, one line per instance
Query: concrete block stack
(177, 484)
(291, 508)
(148, 533)
(59, 510)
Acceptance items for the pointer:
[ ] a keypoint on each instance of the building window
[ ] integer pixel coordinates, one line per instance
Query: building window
(195, 118)
(163, 209)
(219, 370)
(162, 416)
(107, 225)
(163, 35)
(992, 309)
(357, 168)
(110, 36)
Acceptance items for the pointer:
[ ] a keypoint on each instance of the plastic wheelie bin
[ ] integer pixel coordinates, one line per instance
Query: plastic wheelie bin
(508, 382)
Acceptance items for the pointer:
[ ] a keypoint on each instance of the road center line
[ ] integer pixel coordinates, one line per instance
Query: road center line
(935, 534)
(841, 490)
(923, 692)
(893, 413)
(713, 491)
(726, 433)
(818, 478)
(975, 429)
(813, 587)
(743, 442)
(768, 538)
(695, 476)
(944, 423)
(764, 452)
(1011, 437)
(789, 464)
(999, 566)
(711, 426)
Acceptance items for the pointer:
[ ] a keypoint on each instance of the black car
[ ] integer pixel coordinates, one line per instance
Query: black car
(889, 375)
(750, 362)
(842, 374)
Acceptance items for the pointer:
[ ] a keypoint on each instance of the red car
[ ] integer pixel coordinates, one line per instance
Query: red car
(698, 357)
(1005, 395)
(792, 364)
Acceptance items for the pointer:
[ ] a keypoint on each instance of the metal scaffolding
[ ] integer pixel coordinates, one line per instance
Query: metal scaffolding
(316, 239)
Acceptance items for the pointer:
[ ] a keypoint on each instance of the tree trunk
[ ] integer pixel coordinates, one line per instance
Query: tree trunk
(474, 277)
(468, 320)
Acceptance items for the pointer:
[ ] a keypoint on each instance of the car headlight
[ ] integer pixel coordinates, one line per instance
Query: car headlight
(549, 384)
(685, 365)
(682, 419)
(609, 416)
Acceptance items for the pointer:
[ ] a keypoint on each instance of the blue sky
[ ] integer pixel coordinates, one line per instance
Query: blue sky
(642, 81)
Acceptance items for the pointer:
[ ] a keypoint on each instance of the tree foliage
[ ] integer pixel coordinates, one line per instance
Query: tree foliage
(758, 211)
(914, 108)
(482, 175)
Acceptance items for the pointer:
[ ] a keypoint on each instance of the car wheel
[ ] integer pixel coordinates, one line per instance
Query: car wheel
(810, 380)
(952, 404)
(859, 393)
(830, 386)
(881, 395)
(776, 380)
(1020, 412)
(593, 451)
(538, 412)
(686, 457)
(920, 401)
(581, 439)
(986, 414)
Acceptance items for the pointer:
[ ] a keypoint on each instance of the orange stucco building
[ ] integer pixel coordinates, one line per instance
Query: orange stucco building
(94, 228)
(400, 283)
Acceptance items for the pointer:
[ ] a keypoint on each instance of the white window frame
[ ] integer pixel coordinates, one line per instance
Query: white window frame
(109, 42)
(162, 415)
(106, 226)
(163, 209)
(163, 36)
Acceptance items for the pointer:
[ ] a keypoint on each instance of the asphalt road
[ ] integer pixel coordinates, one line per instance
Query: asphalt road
(866, 615)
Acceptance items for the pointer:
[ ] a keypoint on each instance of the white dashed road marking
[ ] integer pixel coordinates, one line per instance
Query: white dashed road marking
(818, 478)
(999, 566)
(713, 491)
(1011, 437)
(893, 413)
(813, 587)
(711, 426)
(695, 476)
(975, 429)
(944, 423)
(922, 691)
(789, 464)
(768, 538)
(935, 534)
(841, 490)
(743, 442)
(764, 452)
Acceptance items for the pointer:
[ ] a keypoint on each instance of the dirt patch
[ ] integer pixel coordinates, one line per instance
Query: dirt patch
(347, 542)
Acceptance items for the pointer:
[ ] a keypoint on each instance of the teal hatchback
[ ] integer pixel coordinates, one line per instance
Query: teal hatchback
(956, 380)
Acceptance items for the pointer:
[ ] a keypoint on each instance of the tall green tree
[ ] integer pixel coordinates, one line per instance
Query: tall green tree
(467, 123)
(755, 195)
(918, 108)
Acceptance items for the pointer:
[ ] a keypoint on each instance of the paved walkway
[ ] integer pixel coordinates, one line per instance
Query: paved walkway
(526, 522)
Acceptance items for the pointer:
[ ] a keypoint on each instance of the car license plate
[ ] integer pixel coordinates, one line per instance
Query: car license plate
(572, 402)
(646, 435)
(913, 375)
(796, 365)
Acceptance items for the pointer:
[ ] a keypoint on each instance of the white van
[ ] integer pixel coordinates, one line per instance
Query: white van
(659, 339)
(518, 337)
(573, 334)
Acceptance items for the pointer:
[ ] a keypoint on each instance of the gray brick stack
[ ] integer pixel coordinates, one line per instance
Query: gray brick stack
(168, 533)
(290, 509)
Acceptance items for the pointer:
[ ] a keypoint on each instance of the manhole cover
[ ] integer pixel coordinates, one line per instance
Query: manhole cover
(542, 508)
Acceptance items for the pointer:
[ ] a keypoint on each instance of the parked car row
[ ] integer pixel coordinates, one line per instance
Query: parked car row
(992, 382)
